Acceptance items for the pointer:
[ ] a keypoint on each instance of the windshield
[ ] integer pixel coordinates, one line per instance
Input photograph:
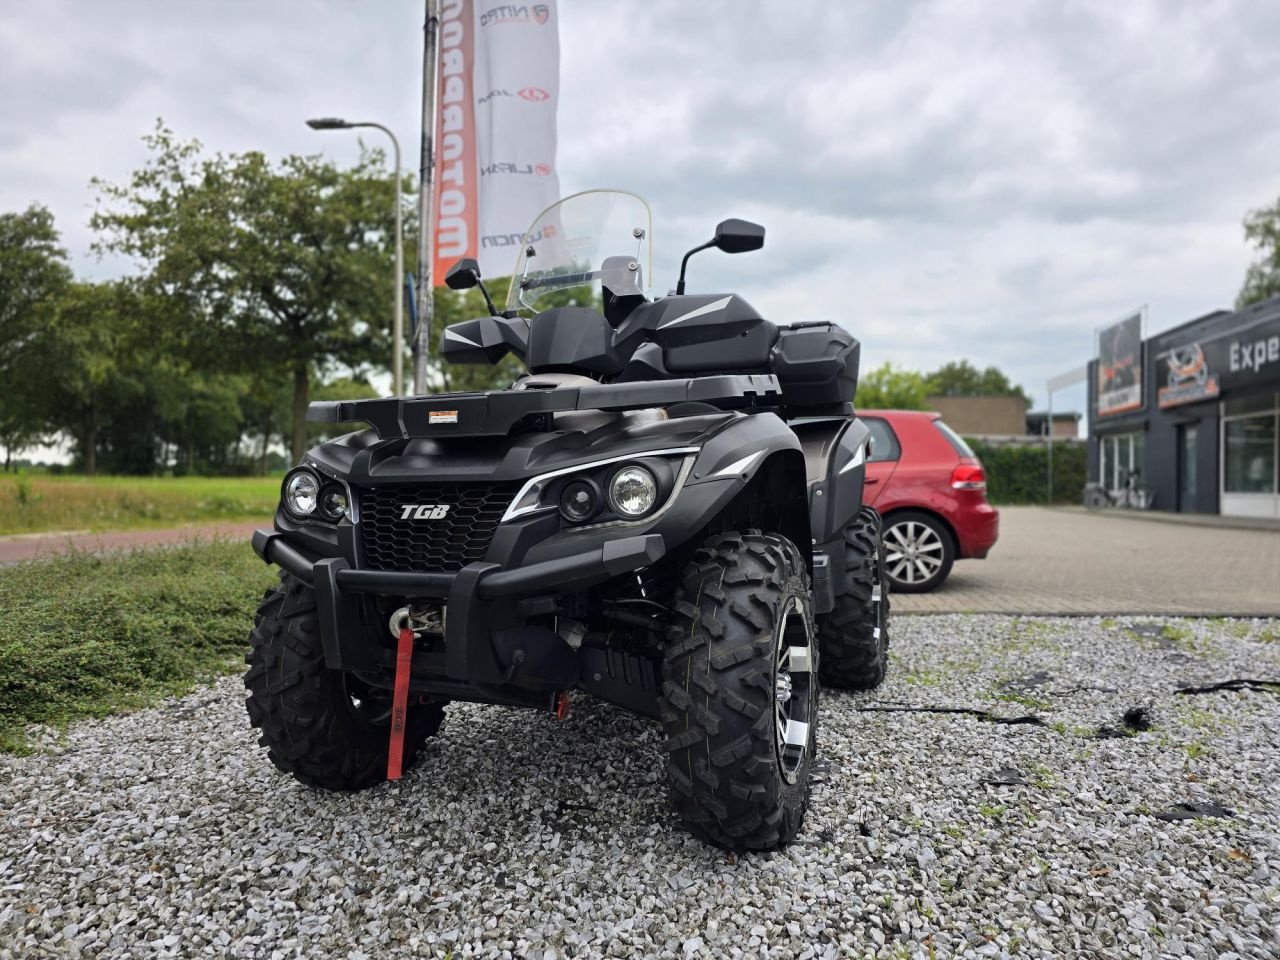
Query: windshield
(589, 238)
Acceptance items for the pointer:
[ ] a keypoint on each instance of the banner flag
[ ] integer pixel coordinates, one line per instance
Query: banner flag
(1119, 386)
(495, 163)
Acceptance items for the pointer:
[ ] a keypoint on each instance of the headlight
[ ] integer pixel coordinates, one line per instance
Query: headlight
(633, 492)
(301, 493)
(625, 489)
(579, 500)
(333, 503)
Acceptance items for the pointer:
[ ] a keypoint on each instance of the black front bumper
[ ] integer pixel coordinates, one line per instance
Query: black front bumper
(469, 651)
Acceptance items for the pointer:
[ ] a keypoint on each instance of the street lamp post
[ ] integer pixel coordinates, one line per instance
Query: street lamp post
(397, 334)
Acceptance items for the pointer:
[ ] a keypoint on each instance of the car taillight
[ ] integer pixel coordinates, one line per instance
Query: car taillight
(969, 476)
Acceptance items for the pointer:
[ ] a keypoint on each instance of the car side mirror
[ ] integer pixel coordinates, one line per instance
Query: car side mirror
(463, 275)
(738, 236)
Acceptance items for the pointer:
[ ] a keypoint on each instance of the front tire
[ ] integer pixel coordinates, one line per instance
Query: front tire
(918, 552)
(324, 727)
(740, 692)
(855, 634)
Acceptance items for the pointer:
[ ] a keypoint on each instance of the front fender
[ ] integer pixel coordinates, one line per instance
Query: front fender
(835, 458)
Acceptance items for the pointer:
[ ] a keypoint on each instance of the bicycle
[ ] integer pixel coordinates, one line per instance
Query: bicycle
(1130, 497)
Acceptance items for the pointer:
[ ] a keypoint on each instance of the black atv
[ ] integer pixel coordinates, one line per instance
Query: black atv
(665, 513)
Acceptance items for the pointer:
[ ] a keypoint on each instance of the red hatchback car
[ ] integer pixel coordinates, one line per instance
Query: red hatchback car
(932, 493)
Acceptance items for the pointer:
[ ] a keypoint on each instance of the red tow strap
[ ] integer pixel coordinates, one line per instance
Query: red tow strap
(400, 704)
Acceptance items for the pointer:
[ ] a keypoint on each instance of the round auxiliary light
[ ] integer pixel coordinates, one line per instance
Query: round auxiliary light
(333, 504)
(579, 501)
(301, 493)
(633, 492)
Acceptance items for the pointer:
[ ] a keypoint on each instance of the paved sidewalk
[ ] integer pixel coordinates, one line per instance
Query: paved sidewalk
(31, 546)
(1078, 562)
(1053, 562)
(1185, 519)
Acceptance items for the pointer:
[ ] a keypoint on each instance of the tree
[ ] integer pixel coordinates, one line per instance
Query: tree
(76, 362)
(283, 266)
(33, 271)
(963, 379)
(890, 388)
(1262, 279)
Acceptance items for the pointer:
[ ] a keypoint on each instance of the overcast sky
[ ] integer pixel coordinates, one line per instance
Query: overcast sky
(949, 180)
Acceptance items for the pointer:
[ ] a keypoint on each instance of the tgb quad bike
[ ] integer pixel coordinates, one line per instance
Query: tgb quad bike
(664, 513)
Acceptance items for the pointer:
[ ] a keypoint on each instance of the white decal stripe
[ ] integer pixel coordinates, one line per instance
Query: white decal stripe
(700, 311)
(740, 466)
(450, 335)
(857, 460)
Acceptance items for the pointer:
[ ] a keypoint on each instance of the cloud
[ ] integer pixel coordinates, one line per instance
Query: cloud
(947, 179)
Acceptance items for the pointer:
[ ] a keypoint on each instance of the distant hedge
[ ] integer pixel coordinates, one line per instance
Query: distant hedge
(1018, 473)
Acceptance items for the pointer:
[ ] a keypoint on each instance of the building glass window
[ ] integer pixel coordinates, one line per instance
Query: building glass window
(1121, 453)
(1250, 455)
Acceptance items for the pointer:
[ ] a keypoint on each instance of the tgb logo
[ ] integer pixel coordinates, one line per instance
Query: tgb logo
(424, 511)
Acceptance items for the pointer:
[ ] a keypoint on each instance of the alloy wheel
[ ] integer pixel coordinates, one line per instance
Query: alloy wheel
(913, 552)
(794, 689)
(371, 706)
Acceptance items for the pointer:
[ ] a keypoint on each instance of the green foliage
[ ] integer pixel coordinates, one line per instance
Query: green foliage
(79, 360)
(889, 388)
(281, 269)
(963, 379)
(43, 503)
(1017, 473)
(33, 271)
(86, 635)
(1262, 279)
(23, 493)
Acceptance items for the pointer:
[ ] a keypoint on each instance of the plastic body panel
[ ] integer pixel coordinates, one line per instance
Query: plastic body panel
(574, 339)
(484, 339)
(835, 451)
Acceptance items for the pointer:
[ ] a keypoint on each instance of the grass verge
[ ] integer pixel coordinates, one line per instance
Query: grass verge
(86, 635)
(38, 504)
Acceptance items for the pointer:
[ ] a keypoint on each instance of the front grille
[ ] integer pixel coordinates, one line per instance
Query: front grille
(449, 543)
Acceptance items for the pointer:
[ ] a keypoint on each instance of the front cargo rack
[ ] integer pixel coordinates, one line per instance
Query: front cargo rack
(493, 413)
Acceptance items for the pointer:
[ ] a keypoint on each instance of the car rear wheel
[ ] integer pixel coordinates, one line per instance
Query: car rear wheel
(918, 551)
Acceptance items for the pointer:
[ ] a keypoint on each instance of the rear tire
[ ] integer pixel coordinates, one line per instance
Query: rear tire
(324, 727)
(918, 552)
(740, 692)
(855, 634)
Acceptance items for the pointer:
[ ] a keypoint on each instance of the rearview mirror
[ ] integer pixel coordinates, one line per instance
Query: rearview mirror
(738, 236)
(463, 275)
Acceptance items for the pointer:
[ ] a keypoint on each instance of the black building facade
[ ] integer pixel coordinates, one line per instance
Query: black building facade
(1206, 437)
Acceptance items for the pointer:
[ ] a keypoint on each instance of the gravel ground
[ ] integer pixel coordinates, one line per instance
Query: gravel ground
(167, 833)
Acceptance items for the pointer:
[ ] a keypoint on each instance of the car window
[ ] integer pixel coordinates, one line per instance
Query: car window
(953, 438)
(884, 443)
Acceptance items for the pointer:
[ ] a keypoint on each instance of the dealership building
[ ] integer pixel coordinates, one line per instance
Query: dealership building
(1194, 410)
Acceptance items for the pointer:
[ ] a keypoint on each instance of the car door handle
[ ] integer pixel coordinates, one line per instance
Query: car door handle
(870, 479)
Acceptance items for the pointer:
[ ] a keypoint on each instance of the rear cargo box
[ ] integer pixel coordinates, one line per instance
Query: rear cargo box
(816, 364)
